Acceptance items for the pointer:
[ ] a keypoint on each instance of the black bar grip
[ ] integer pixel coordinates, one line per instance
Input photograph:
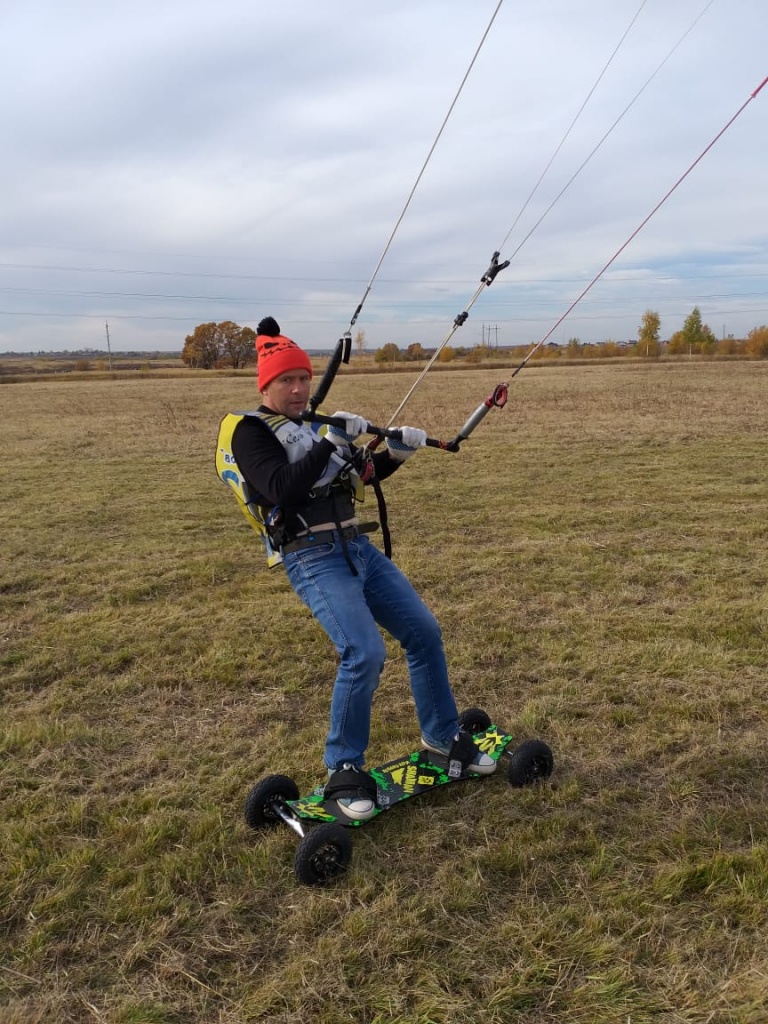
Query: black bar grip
(310, 416)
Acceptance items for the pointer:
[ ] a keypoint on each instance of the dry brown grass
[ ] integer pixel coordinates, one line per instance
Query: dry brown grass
(597, 556)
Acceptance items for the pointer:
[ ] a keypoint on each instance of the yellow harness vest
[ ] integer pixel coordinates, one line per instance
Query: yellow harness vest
(229, 472)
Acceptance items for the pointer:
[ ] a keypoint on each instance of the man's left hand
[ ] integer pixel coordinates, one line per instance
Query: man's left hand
(411, 440)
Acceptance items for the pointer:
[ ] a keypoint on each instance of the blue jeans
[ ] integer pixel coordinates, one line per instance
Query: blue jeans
(350, 609)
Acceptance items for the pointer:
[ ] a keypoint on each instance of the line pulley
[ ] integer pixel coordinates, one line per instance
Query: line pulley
(494, 268)
(341, 355)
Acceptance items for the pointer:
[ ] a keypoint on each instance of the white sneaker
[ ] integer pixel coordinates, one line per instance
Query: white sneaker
(356, 791)
(461, 749)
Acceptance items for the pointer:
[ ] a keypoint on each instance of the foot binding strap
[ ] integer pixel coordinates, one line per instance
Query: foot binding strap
(462, 753)
(348, 783)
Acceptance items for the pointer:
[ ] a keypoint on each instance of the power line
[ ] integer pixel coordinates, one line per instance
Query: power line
(730, 311)
(692, 294)
(286, 279)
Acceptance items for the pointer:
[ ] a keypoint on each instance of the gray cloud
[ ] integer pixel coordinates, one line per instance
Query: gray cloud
(183, 162)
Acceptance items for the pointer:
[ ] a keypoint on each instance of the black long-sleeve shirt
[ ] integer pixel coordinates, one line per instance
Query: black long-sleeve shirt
(274, 480)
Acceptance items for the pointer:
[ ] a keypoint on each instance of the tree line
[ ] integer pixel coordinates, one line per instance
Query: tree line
(697, 338)
(212, 346)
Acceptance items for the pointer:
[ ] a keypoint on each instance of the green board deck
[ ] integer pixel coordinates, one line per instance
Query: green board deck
(405, 777)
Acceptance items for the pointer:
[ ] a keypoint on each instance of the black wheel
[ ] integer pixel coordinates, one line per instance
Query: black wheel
(323, 854)
(474, 720)
(260, 802)
(531, 762)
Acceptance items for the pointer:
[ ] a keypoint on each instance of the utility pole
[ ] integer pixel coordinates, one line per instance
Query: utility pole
(486, 342)
(109, 349)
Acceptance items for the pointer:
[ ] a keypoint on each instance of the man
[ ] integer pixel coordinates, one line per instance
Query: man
(305, 486)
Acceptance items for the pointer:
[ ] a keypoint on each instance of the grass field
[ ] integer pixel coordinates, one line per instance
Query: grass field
(597, 555)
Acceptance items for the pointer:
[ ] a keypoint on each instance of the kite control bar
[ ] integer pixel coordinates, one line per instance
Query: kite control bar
(497, 399)
(338, 421)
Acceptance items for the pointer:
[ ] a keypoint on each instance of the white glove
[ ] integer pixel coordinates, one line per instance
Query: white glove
(412, 439)
(354, 426)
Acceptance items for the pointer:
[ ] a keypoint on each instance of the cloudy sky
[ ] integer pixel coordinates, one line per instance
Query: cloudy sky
(169, 163)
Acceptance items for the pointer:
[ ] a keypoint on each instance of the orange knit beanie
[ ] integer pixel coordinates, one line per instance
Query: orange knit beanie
(276, 353)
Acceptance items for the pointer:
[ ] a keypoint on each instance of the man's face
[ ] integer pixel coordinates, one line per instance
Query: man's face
(288, 394)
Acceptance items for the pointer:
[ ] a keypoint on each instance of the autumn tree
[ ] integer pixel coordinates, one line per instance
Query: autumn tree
(477, 354)
(611, 349)
(694, 337)
(731, 346)
(648, 334)
(757, 342)
(698, 335)
(201, 348)
(360, 342)
(388, 353)
(237, 345)
(415, 351)
(675, 344)
(211, 345)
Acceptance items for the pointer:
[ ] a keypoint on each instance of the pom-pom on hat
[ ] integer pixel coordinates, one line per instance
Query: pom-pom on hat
(276, 353)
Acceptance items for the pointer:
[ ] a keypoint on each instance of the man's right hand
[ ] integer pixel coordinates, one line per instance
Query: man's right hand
(353, 427)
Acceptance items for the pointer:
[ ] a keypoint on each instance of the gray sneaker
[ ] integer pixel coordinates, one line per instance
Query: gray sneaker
(463, 749)
(353, 790)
